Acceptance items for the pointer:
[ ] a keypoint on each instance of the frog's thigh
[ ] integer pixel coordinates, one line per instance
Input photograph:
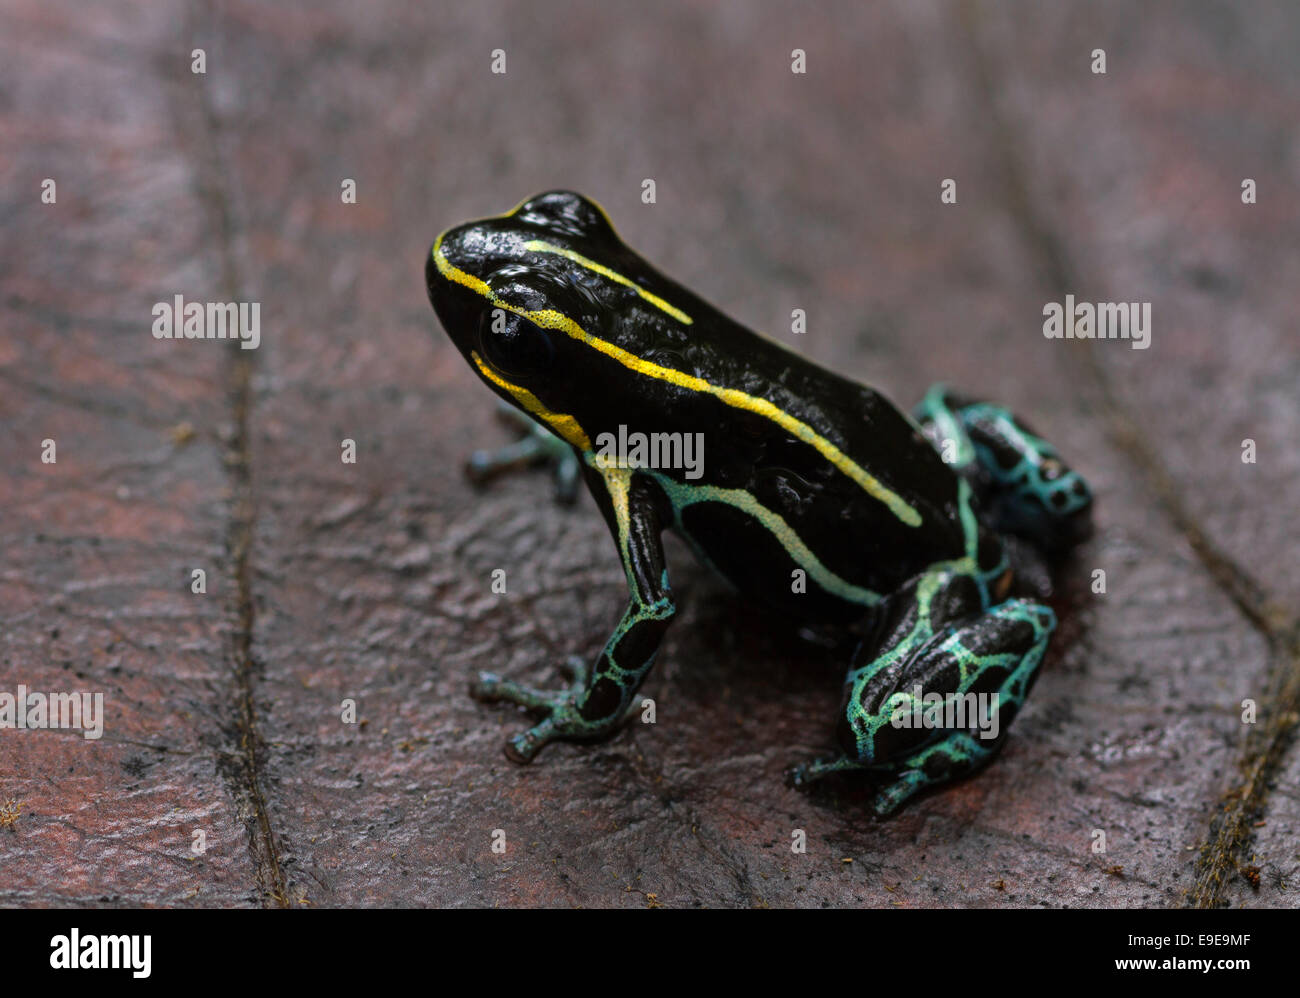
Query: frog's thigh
(998, 650)
(902, 629)
(931, 709)
(996, 658)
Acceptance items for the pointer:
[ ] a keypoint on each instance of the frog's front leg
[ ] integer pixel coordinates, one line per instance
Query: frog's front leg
(538, 445)
(930, 694)
(596, 702)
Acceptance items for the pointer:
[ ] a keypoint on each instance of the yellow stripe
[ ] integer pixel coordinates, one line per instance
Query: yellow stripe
(618, 483)
(564, 425)
(537, 246)
(551, 319)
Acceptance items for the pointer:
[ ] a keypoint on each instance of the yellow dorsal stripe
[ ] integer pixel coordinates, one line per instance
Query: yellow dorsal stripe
(564, 425)
(537, 246)
(551, 319)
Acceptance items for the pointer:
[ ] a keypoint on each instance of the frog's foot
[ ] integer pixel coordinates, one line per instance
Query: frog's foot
(563, 721)
(932, 767)
(488, 687)
(538, 446)
(1022, 483)
(933, 711)
(958, 754)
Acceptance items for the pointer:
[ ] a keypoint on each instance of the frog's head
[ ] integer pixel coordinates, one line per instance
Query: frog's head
(512, 299)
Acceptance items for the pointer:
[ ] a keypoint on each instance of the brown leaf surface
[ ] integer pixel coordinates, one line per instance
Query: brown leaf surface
(370, 581)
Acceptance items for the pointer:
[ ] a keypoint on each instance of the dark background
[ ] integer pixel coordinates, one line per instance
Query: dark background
(371, 581)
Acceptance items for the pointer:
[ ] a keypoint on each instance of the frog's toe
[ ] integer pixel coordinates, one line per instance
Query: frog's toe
(563, 717)
(893, 796)
(576, 668)
(805, 775)
(538, 446)
(484, 687)
(488, 687)
(797, 778)
(564, 722)
(485, 465)
(522, 748)
(568, 476)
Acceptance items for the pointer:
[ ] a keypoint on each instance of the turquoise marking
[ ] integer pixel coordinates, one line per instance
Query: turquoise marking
(952, 751)
(1027, 476)
(934, 409)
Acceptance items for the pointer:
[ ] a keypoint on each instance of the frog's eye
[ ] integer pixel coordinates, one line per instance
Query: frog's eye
(514, 345)
(567, 212)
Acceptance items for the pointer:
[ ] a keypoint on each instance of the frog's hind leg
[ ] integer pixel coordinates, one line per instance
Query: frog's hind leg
(998, 659)
(931, 692)
(538, 446)
(1023, 485)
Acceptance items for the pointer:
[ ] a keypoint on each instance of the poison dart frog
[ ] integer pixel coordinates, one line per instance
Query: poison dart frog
(815, 496)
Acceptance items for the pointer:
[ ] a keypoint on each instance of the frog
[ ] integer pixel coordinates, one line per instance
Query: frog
(816, 497)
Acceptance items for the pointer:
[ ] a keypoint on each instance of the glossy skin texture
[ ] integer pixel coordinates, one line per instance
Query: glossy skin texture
(816, 496)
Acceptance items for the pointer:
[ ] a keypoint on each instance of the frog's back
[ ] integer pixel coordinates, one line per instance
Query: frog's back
(815, 473)
(801, 468)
